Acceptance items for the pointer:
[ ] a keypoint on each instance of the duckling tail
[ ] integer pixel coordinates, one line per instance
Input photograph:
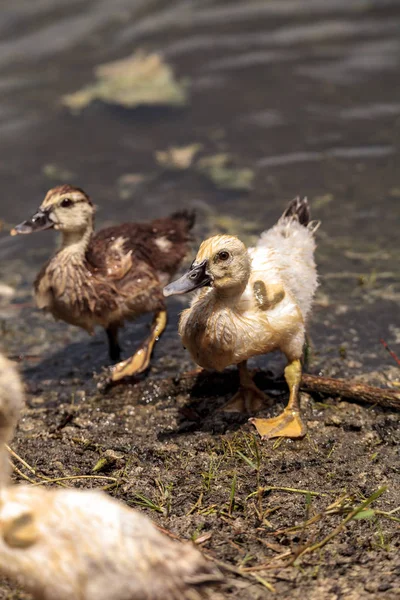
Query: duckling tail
(187, 216)
(299, 208)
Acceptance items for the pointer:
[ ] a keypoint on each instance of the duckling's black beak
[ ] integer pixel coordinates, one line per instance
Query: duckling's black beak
(197, 277)
(38, 222)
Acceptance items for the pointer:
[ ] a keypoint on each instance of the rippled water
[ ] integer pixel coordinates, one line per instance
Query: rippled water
(305, 93)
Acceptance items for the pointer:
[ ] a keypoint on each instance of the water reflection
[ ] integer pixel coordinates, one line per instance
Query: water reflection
(301, 92)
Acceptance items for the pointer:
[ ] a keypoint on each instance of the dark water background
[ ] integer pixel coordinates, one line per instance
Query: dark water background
(306, 93)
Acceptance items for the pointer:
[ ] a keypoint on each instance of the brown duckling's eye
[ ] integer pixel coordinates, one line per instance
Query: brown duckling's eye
(223, 255)
(66, 202)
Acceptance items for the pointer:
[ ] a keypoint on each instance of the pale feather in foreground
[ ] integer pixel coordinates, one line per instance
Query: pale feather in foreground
(83, 545)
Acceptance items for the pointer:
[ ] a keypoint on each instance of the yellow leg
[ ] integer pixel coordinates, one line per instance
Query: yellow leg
(289, 423)
(249, 399)
(139, 362)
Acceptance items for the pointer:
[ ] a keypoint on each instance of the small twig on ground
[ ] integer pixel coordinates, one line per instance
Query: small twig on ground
(22, 357)
(392, 354)
(352, 390)
(168, 533)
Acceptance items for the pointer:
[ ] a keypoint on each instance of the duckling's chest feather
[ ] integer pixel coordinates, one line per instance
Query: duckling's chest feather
(71, 293)
(86, 292)
(218, 335)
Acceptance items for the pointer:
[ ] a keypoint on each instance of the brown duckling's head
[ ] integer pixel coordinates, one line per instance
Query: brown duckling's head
(65, 208)
(221, 262)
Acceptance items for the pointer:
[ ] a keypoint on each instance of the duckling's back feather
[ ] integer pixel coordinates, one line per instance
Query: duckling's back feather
(161, 244)
(290, 246)
(120, 275)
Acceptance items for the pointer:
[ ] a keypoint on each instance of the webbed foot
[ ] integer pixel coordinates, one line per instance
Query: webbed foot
(288, 424)
(249, 399)
(134, 365)
(140, 361)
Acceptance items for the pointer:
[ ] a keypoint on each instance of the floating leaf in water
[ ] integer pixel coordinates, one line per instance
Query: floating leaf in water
(321, 201)
(395, 192)
(220, 169)
(177, 158)
(57, 173)
(139, 80)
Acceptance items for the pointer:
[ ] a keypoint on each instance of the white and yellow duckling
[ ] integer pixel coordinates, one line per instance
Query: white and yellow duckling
(253, 301)
(62, 544)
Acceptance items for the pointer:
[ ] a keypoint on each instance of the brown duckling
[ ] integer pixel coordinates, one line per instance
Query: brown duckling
(107, 277)
(68, 544)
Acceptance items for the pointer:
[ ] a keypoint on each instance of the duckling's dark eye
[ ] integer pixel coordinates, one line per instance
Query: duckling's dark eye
(223, 255)
(66, 202)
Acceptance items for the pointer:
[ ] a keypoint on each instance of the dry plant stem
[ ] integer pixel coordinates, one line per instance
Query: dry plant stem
(227, 566)
(272, 488)
(21, 474)
(269, 565)
(343, 524)
(27, 466)
(45, 479)
(265, 583)
(333, 508)
(352, 390)
(74, 477)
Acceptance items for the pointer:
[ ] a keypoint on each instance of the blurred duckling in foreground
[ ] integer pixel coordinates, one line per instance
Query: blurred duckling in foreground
(253, 301)
(63, 544)
(108, 277)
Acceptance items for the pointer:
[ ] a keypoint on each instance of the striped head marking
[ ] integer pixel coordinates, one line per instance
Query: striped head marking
(65, 208)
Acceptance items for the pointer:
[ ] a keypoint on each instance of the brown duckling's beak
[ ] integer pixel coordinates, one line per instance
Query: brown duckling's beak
(197, 277)
(38, 222)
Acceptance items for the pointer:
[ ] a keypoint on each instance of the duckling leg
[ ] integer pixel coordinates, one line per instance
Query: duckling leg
(114, 349)
(249, 399)
(289, 423)
(139, 362)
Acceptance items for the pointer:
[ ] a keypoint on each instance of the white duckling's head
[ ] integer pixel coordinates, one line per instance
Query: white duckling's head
(65, 208)
(221, 262)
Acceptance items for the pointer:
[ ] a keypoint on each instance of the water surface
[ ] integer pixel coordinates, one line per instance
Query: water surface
(304, 93)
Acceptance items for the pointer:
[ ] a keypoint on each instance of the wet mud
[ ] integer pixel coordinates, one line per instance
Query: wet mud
(303, 97)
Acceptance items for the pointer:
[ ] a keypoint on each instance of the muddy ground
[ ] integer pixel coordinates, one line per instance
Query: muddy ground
(204, 475)
(302, 94)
